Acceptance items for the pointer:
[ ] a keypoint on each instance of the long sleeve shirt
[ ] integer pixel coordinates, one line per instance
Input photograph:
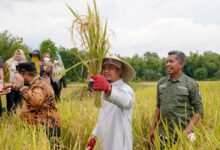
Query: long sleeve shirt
(178, 100)
(114, 127)
(38, 105)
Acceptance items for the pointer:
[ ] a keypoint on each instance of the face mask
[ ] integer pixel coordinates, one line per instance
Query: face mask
(46, 59)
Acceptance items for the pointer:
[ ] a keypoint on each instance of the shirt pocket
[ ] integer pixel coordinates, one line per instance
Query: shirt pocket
(182, 94)
(162, 93)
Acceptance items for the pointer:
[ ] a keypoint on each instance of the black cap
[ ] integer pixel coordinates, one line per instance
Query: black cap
(26, 66)
(35, 53)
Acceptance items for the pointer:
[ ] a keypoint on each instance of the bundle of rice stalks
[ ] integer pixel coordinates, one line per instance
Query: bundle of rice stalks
(91, 37)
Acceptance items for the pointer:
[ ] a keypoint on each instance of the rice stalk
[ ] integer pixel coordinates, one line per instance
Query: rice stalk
(89, 35)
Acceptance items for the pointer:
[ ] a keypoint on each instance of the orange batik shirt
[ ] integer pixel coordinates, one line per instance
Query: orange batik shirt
(38, 105)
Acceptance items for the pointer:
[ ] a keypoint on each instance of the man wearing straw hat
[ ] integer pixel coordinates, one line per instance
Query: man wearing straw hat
(114, 127)
(179, 104)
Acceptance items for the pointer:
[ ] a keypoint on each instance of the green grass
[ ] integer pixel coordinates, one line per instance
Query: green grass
(78, 117)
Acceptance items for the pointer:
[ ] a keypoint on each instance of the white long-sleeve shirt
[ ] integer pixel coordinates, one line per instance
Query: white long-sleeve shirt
(114, 127)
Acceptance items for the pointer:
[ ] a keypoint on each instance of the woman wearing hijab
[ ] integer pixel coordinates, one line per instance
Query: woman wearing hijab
(58, 79)
(46, 67)
(14, 97)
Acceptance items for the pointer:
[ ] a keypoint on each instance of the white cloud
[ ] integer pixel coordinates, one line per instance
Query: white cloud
(167, 34)
(139, 25)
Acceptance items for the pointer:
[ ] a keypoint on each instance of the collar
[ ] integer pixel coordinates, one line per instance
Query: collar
(180, 78)
(118, 82)
(34, 80)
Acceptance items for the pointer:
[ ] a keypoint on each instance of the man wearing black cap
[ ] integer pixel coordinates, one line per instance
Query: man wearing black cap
(38, 105)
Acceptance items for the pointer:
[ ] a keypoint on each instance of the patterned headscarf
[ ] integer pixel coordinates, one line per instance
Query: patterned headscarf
(58, 69)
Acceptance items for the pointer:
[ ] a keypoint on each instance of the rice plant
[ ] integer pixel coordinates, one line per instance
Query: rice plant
(78, 118)
(91, 37)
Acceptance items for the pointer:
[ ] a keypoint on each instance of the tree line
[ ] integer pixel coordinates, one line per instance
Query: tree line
(148, 67)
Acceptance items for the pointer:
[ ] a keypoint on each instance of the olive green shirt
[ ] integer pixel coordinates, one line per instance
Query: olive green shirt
(178, 100)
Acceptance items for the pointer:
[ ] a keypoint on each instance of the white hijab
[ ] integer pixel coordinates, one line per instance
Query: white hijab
(12, 63)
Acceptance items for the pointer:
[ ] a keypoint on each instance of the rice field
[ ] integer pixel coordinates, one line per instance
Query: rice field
(78, 117)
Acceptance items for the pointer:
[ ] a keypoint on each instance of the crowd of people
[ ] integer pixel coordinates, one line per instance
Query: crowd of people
(40, 81)
(35, 88)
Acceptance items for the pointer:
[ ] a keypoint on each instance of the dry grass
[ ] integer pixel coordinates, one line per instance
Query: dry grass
(78, 117)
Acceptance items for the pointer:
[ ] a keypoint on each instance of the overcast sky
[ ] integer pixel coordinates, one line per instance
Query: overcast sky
(139, 25)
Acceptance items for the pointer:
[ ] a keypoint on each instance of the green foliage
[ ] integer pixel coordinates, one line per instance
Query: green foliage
(203, 66)
(217, 74)
(192, 62)
(48, 46)
(152, 67)
(201, 73)
(148, 67)
(78, 73)
(211, 62)
(151, 55)
(9, 44)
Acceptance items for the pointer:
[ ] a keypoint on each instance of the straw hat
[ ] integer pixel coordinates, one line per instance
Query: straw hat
(128, 72)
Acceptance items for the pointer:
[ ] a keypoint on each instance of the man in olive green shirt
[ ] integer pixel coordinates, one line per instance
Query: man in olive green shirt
(178, 100)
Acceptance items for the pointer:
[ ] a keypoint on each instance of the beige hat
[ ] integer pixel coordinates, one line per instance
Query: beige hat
(128, 72)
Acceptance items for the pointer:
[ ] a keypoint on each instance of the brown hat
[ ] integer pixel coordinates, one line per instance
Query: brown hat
(128, 72)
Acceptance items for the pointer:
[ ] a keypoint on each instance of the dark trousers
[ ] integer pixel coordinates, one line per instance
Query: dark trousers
(13, 101)
(57, 87)
(54, 134)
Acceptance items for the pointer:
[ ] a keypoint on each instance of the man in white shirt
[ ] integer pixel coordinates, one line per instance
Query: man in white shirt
(114, 127)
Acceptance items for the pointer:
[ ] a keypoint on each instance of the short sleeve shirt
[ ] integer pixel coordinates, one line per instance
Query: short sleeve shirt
(178, 99)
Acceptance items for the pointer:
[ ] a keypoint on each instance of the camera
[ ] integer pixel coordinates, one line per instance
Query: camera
(91, 84)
